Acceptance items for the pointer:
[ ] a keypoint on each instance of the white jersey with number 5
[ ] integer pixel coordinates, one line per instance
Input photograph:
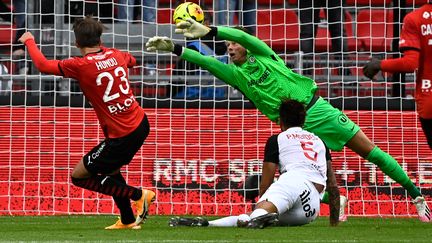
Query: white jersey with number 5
(304, 153)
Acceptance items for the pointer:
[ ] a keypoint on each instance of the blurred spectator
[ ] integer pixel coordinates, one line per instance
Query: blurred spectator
(309, 18)
(19, 14)
(18, 18)
(5, 12)
(126, 9)
(246, 12)
(5, 83)
(103, 9)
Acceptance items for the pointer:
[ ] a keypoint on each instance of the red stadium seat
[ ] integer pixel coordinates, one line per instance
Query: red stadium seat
(164, 15)
(374, 29)
(7, 34)
(415, 2)
(322, 39)
(279, 28)
(368, 2)
(271, 2)
(292, 3)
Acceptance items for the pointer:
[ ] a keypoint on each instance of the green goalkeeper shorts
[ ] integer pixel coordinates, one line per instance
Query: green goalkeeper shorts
(330, 124)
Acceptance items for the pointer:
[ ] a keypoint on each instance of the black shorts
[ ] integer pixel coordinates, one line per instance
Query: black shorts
(113, 153)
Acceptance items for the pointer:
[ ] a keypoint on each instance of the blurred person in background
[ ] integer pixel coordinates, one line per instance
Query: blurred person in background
(309, 14)
(126, 10)
(225, 10)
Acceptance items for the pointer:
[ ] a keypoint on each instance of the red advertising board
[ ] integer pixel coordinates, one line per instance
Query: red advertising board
(196, 160)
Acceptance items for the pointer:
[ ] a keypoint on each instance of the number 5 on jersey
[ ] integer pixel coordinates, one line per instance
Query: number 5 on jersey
(308, 151)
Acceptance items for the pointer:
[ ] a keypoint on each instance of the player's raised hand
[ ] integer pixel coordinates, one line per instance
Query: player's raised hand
(191, 29)
(372, 68)
(26, 36)
(160, 43)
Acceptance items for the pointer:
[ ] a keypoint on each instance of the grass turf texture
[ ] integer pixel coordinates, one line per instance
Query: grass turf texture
(156, 229)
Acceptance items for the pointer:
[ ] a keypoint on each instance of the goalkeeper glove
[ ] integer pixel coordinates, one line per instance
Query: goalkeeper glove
(372, 68)
(191, 29)
(160, 43)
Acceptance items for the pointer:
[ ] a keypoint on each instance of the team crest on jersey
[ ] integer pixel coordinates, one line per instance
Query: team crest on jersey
(426, 15)
(343, 119)
(252, 59)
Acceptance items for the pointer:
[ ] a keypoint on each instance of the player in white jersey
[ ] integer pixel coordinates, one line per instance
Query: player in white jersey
(294, 199)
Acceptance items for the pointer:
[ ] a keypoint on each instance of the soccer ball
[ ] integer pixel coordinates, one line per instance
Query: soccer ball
(188, 10)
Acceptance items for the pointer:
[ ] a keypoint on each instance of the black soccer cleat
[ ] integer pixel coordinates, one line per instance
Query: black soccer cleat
(192, 222)
(263, 221)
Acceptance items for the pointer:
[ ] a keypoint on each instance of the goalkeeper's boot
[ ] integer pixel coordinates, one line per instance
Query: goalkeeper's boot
(194, 222)
(343, 204)
(120, 225)
(263, 221)
(143, 204)
(423, 211)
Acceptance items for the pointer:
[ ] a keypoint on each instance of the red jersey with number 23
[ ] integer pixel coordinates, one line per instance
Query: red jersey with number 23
(417, 34)
(104, 80)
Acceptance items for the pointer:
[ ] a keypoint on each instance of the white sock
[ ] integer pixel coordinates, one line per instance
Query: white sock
(258, 212)
(230, 221)
(243, 220)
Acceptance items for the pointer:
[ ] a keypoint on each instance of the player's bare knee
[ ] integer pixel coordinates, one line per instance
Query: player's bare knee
(80, 171)
(360, 144)
(267, 206)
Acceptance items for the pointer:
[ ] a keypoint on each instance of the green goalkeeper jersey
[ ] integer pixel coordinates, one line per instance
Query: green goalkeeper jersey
(263, 78)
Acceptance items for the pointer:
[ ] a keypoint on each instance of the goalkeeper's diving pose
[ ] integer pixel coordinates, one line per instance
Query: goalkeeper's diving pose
(305, 170)
(261, 75)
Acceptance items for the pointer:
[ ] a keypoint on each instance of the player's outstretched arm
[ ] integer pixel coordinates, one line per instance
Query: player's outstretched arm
(192, 29)
(406, 64)
(334, 196)
(410, 45)
(39, 60)
(220, 70)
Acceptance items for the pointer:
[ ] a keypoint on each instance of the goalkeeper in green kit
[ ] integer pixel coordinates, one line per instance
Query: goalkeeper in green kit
(261, 75)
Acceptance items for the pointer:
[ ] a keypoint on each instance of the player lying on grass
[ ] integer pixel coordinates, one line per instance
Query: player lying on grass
(251, 193)
(305, 170)
(102, 74)
(261, 75)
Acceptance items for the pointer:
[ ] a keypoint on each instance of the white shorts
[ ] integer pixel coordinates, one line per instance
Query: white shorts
(296, 199)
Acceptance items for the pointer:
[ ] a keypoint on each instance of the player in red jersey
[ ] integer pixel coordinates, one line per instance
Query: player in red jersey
(102, 74)
(416, 45)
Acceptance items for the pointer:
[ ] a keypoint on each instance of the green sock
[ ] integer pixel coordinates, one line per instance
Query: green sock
(391, 167)
(325, 198)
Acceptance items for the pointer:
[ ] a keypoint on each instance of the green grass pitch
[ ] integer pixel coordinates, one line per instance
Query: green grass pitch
(156, 229)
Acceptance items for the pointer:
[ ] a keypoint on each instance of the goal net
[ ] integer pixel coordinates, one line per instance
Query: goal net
(205, 138)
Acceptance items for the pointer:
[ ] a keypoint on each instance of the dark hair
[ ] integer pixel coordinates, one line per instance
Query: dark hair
(244, 29)
(292, 113)
(88, 31)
